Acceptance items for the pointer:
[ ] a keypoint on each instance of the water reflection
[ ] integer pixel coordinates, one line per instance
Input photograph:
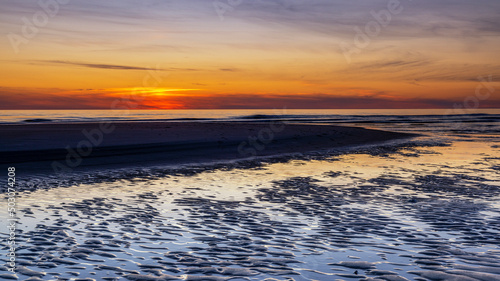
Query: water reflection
(419, 211)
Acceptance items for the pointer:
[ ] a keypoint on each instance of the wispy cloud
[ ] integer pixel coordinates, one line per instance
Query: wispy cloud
(97, 65)
(110, 66)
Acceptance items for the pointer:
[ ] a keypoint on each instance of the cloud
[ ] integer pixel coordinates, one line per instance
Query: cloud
(95, 65)
(423, 18)
(418, 68)
(395, 63)
(317, 101)
(110, 66)
(53, 98)
(106, 99)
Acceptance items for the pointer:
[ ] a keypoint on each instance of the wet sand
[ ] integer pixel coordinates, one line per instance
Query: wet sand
(410, 213)
(77, 145)
(417, 210)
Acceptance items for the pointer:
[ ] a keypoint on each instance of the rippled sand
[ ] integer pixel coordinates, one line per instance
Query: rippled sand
(414, 213)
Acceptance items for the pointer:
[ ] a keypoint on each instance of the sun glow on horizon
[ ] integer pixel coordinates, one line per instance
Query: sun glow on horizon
(148, 91)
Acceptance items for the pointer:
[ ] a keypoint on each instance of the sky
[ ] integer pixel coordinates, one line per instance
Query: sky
(230, 54)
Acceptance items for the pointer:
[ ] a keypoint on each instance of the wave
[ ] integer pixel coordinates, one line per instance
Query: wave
(37, 120)
(469, 118)
(268, 116)
(303, 118)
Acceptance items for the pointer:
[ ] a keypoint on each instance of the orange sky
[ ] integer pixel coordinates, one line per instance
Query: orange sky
(258, 54)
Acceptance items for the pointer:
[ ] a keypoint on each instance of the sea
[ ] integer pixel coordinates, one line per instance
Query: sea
(426, 208)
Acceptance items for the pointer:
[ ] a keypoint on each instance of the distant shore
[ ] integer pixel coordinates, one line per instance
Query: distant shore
(72, 145)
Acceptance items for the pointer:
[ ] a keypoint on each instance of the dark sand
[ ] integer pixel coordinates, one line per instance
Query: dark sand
(125, 143)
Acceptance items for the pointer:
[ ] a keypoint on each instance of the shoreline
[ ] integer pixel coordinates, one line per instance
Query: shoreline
(75, 145)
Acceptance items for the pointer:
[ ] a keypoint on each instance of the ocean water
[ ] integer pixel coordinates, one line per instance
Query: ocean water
(420, 209)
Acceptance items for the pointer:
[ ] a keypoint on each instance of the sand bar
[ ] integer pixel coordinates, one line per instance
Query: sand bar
(173, 142)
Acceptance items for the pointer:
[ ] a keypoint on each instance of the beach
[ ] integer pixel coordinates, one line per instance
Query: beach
(178, 201)
(278, 140)
(69, 146)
